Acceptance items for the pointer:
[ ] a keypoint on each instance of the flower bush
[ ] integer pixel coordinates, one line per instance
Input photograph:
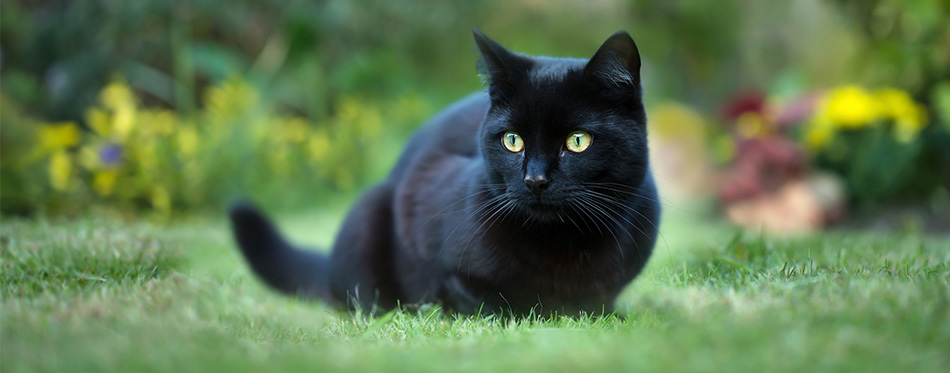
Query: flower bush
(871, 138)
(870, 146)
(133, 157)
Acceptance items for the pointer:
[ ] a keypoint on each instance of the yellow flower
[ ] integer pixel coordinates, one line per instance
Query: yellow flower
(295, 130)
(88, 157)
(907, 130)
(909, 117)
(851, 107)
(147, 155)
(319, 146)
(59, 135)
(187, 141)
(818, 135)
(673, 120)
(104, 182)
(750, 124)
(163, 122)
(117, 96)
(365, 118)
(160, 199)
(60, 168)
(98, 120)
(122, 121)
(233, 97)
(410, 108)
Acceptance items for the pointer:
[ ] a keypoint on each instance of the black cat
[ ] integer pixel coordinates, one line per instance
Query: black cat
(536, 196)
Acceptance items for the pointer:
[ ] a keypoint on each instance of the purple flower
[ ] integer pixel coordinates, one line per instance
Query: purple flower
(110, 154)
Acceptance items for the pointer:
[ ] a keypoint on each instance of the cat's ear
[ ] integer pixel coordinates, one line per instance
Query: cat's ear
(498, 64)
(616, 64)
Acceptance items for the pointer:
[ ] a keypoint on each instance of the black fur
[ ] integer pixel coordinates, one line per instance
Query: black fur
(456, 221)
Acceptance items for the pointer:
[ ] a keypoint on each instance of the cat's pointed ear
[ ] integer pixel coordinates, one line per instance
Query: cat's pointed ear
(500, 65)
(616, 63)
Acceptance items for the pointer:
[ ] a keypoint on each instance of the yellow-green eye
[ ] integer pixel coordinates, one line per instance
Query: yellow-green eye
(512, 142)
(578, 141)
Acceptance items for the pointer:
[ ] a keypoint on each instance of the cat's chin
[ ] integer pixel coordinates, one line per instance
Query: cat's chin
(547, 211)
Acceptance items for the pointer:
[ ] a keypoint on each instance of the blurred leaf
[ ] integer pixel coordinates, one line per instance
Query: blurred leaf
(216, 61)
(941, 100)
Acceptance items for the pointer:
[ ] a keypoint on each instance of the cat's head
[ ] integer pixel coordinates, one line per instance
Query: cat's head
(561, 129)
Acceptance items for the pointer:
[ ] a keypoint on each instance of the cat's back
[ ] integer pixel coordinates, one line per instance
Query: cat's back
(451, 133)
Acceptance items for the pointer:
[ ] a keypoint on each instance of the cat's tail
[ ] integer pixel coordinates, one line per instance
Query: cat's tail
(285, 268)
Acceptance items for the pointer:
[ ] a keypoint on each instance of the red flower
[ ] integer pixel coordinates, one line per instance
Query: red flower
(745, 102)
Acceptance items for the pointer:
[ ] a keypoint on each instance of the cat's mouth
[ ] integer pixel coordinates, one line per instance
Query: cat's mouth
(546, 210)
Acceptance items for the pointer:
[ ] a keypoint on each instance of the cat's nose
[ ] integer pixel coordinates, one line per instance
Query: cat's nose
(537, 183)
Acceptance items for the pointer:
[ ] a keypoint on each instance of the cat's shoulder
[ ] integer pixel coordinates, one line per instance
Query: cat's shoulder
(451, 132)
(455, 129)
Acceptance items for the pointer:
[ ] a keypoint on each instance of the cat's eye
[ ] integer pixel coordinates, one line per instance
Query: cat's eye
(578, 141)
(512, 142)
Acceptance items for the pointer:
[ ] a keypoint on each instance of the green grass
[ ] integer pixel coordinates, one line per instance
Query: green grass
(96, 294)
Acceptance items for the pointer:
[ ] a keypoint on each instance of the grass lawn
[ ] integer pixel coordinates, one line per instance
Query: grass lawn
(96, 294)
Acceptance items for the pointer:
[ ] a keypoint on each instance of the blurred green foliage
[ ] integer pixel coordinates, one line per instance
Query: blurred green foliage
(312, 63)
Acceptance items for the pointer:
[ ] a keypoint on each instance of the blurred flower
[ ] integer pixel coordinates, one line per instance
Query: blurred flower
(232, 98)
(797, 110)
(104, 182)
(118, 98)
(818, 135)
(673, 120)
(187, 140)
(319, 146)
(908, 116)
(410, 108)
(851, 107)
(60, 169)
(98, 120)
(132, 154)
(751, 124)
(110, 154)
(762, 165)
(353, 111)
(88, 157)
(117, 95)
(157, 122)
(680, 148)
(160, 198)
(59, 135)
(147, 156)
(749, 102)
(295, 130)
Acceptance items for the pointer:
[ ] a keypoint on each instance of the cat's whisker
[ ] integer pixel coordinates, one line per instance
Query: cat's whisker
(609, 199)
(482, 206)
(626, 207)
(639, 215)
(441, 212)
(612, 215)
(581, 207)
(617, 214)
(471, 234)
(633, 191)
(477, 230)
(570, 203)
(605, 223)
